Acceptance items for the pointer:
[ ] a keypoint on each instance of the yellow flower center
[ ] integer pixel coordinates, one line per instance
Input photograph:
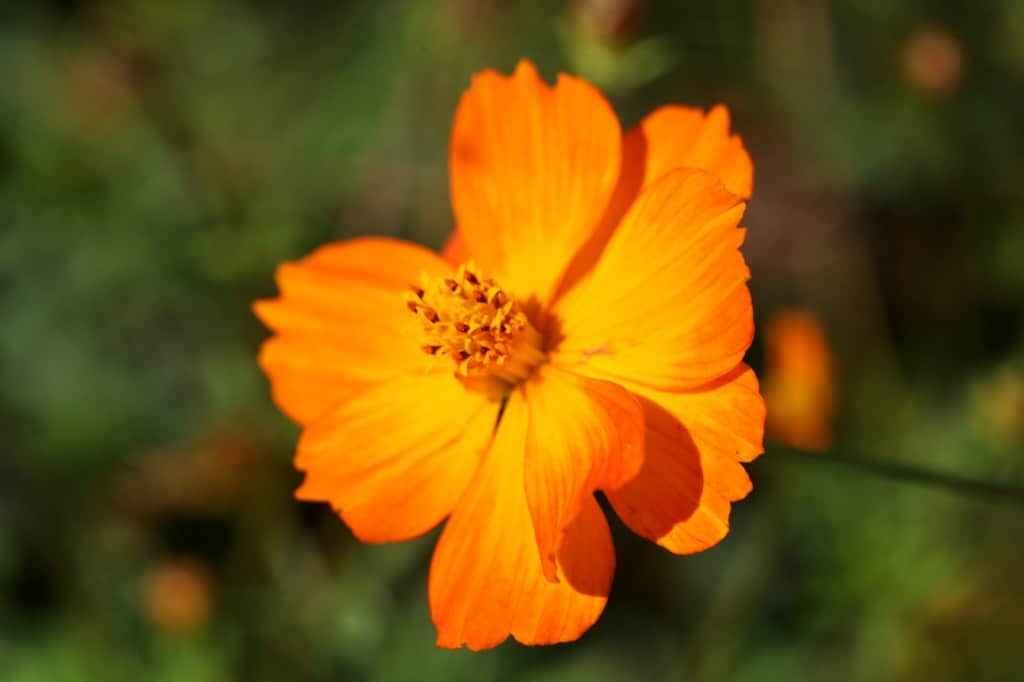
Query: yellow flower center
(481, 327)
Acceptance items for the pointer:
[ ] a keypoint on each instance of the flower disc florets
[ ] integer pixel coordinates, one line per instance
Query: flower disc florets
(471, 319)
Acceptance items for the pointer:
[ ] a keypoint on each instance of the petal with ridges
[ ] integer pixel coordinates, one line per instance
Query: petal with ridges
(394, 460)
(667, 304)
(532, 168)
(695, 441)
(341, 324)
(584, 435)
(672, 137)
(669, 138)
(486, 580)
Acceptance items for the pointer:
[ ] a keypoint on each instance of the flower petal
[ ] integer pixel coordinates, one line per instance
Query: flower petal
(341, 323)
(394, 460)
(667, 304)
(486, 580)
(673, 137)
(695, 443)
(584, 435)
(454, 249)
(532, 168)
(669, 138)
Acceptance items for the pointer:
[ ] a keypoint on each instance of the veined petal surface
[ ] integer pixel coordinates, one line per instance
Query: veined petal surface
(667, 305)
(341, 324)
(532, 169)
(695, 443)
(486, 578)
(584, 435)
(669, 138)
(394, 459)
(672, 137)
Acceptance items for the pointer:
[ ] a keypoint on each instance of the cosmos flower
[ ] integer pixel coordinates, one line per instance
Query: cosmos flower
(583, 331)
(799, 383)
(177, 595)
(933, 61)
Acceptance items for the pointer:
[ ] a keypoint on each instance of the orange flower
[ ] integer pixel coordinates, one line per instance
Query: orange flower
(584, 331)
(799, 384)
(933, 61)
(178, 595)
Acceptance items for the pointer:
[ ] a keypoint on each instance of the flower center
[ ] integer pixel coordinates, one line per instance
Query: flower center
(481, 327)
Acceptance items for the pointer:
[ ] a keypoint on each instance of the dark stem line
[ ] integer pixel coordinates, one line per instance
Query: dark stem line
(988, 490)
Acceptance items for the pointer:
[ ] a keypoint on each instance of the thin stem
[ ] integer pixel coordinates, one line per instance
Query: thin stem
(988, 490)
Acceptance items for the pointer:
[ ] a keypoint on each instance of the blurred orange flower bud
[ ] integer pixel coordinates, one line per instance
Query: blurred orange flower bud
(933, 61)
(177, 595)
(799, 385)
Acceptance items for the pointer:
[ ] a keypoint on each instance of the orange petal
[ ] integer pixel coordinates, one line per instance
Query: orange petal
(673, 137)
(394, 460)
(532, 168)
(486, 580)
(667, 304)
(695, 443)
(669, 138)
(341, 322)
(584, 435)
(454, 249)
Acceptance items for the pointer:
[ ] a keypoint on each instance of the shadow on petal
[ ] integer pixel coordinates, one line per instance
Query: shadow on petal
(666, 495)
(627, 189)
(587, 557)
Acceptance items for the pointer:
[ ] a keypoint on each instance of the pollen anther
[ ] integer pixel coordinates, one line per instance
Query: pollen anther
(471, 319)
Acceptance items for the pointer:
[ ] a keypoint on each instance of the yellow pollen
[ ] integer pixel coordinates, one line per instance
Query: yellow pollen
(470, 319)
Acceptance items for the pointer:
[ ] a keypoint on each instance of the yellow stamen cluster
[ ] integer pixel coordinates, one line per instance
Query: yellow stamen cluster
(469, 318)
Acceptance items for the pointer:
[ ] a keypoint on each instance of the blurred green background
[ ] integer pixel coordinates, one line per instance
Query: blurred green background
(159, 159)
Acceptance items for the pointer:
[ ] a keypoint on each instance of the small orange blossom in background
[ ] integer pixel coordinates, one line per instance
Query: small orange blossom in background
(933, 61)
(178, 595)
(799, 384)
(584, 330)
